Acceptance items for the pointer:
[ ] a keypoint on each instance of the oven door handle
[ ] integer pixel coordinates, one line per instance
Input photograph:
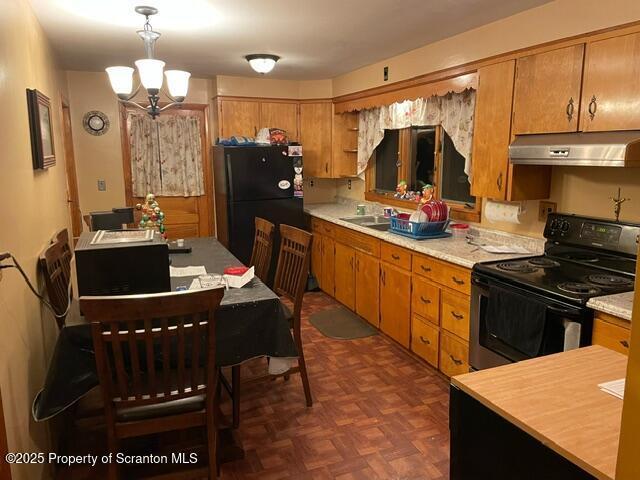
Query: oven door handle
(565, 311)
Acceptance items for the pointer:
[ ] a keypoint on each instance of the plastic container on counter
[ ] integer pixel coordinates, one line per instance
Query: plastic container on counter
(459, 230)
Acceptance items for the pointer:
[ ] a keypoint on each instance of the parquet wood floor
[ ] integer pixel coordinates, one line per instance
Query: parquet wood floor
(378, 413)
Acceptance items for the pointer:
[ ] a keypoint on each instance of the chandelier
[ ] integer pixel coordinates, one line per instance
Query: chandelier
(150, 71)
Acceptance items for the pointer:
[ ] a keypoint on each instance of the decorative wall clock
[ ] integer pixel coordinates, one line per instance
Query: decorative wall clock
(95, 122)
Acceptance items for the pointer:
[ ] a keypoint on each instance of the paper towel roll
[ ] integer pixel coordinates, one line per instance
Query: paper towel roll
(502, 212)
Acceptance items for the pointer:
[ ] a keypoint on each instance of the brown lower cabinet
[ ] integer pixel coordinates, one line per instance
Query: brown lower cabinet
(345, 275)
(419, 301)
(395, 303)
(368, 288)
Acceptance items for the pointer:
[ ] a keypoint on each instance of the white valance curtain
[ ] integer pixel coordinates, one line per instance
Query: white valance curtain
(454, 111)
(166, 156)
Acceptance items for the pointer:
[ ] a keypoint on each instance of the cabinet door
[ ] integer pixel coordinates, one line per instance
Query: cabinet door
(547, 91)
(345, 275)
(280, 115)
(492, 130)
(239, 117)
(315, 137)
(368, 288)
(395, 301)
(611, 87)
(316, 258)
(328, 266)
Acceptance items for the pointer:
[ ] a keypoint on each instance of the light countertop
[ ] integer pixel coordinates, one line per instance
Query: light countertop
(620, 305)
(556, 400)
(452, 249)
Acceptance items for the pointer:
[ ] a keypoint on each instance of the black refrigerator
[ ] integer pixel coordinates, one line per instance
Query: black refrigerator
(255, 182)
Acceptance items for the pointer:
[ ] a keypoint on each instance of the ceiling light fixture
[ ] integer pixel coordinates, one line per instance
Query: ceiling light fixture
(150, 71)
(262, 62)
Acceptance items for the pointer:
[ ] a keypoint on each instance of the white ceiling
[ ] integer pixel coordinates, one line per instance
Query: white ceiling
(315, 38)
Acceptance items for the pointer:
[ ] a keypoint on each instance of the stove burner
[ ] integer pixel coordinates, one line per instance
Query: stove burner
(544, 262)
(519, 267)
(579, 288)
(607, 280)
(581, 257)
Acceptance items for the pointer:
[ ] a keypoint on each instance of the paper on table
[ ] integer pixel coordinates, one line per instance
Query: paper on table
(504, 249)
(615, 388)
(187, 271)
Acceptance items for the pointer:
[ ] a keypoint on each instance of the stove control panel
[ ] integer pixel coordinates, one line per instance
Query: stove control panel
(618, 237)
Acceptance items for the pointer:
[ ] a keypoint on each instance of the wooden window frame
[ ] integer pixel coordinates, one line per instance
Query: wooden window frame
(458, 210)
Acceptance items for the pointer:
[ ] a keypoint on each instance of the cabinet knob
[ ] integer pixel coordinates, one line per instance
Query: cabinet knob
(499, 182)
(624, 343)
(457, 316)
(593, 107)
(425, 340)
(425, 300)
(395, 257)
(569, 110)
(425, 269)
(455, 360)
(457, 280)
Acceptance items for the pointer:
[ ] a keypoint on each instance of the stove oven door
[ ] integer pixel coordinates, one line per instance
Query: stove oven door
(564, 327)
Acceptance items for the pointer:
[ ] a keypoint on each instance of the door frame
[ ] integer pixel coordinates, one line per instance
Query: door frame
(206, 202)
(73, 197)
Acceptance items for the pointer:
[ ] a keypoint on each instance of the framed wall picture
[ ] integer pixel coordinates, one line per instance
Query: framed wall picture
(42, 148)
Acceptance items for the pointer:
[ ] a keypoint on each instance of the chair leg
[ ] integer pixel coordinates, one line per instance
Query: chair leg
(235, 400)
(212, 438)
(305, 379)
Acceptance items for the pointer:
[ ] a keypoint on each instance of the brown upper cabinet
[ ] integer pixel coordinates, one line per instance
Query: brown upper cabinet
(492, 130)
(282, 115)
(611, 86)
(238, 117)
(547, 91)
(315, 137)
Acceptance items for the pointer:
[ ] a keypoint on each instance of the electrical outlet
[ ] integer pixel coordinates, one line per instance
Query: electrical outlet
(102, 185)
(386, 73)
(311, 183)
(349, 184)
(545, 208)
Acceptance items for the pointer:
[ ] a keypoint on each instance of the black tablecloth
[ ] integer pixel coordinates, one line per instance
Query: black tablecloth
(250, 322)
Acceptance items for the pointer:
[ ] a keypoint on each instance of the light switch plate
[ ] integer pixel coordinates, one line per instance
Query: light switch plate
(545, 209)
(102, 186)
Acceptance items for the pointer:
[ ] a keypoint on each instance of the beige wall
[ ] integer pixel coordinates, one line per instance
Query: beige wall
(272, 88)
(33, 208)
(100, 158)
(551, 21)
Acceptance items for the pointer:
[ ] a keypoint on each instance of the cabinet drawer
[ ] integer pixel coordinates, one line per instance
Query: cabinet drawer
(454, 314)
(322, 227)
(424, 340)
(423, 266)
(452, 276)
(425, 299)
(394, 255)
(454, 355)
(611, 336)
(364, 243)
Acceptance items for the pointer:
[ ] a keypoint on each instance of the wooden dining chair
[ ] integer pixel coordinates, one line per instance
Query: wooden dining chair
(57, 279)
(262, 248)
(149, 351)
(290, 282)
(62, 237)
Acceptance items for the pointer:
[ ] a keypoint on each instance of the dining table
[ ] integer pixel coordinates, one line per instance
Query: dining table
(250, 322)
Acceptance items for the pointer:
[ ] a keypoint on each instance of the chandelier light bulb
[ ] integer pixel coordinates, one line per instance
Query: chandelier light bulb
(121, 79)
(262, 62)
(178, 83)
(150, 71)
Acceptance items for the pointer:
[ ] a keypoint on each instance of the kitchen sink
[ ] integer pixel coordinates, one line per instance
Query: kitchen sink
(375, 222)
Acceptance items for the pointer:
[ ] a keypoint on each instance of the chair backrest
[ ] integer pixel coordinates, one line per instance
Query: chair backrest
(62, 237)
(262, 248)
(154, 348)
(56, 279)
(293, 265)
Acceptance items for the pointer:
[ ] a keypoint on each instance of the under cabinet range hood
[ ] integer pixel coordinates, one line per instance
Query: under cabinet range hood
(596, 149)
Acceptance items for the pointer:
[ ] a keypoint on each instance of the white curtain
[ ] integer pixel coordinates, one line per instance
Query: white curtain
(166, 156)
(454, 111)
